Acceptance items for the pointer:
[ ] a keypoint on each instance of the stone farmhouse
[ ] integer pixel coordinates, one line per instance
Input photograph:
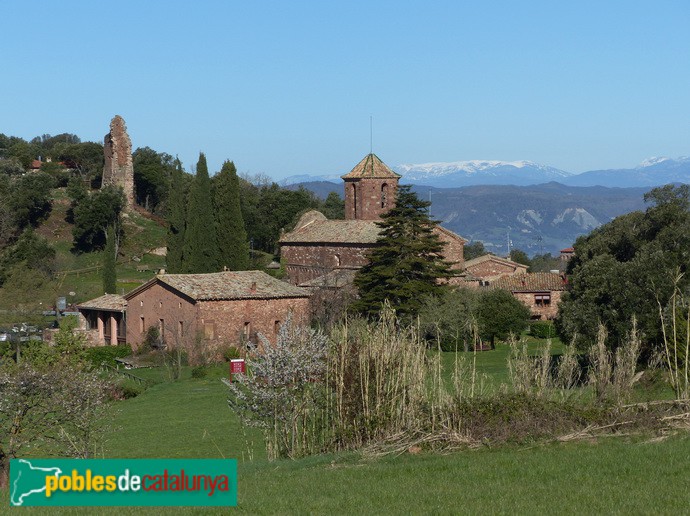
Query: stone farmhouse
(223, 308)
(317, 246)
(539, 291)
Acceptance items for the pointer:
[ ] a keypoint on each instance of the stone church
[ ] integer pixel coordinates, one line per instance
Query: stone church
(321, 251)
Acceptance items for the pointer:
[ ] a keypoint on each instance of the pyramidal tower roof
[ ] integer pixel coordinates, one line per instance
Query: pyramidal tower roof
(371, 166)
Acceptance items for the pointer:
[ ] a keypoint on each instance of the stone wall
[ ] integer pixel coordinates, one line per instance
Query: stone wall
(367, 199)
(161, 303)
(454, 249)
(305, 262)
(237, 322)
(117, 150)
(540, 311)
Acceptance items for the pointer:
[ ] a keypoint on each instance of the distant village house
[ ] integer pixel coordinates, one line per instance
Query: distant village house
(222, 309)
(539, 291)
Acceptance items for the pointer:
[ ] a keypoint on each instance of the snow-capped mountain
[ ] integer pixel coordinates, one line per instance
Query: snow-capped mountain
(654, 171)
(479, 172)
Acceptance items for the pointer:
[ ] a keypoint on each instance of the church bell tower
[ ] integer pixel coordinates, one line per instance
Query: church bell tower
(370, 189)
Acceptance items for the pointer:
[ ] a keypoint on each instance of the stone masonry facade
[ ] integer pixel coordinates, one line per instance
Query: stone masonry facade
(306, 262)
(369, 199)
(542, 305)
(218, 323)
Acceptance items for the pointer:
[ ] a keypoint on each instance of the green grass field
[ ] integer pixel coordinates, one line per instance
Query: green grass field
(190, 418)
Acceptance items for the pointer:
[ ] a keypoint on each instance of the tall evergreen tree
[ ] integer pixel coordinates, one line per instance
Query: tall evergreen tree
(333, 207)
(233, 247)
(406, 263)
(176, 220)
(110, 261)
(200, 253)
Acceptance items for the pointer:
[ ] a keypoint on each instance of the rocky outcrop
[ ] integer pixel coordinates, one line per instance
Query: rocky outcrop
(118, 170)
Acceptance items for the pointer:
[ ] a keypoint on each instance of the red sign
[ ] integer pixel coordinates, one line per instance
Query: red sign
(237, 366)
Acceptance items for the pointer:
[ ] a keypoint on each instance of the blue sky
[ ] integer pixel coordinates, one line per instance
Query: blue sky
(285, 88)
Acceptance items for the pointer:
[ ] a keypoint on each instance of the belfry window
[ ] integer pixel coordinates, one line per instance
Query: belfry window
(354, 198)
(384, 195)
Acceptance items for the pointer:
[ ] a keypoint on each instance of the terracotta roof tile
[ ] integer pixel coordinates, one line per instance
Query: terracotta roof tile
(108, 302)
(371, 166)
(341, 231)
(530, 282)
(226, 285)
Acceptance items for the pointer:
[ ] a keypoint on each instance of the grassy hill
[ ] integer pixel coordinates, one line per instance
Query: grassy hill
(78, 276)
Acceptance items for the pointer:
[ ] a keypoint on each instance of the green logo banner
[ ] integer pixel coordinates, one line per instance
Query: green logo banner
(123, 482)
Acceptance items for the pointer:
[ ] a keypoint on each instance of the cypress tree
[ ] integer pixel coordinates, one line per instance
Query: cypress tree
(406, 263)
(233, 247)
(109, 262)
(176, 220)
(200, 253)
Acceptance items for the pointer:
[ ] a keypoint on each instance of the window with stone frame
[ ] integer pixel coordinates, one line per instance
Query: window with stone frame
(542, 299)
(210, 330)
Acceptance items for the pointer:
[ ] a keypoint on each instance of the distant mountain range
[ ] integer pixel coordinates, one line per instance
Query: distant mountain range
(537, 219)
(466, 173)
(523, 204)
(651, 172)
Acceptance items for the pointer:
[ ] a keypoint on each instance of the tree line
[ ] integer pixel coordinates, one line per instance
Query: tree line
(215, 222)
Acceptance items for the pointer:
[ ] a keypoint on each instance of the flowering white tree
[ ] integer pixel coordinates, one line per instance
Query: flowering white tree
(61, 409)
(284, 387)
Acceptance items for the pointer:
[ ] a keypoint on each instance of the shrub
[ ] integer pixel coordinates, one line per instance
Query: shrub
(230, 353)
(522, 417)
(127, 389)
(199, 372)
(106, 354)
(151, 341)
(542, 329)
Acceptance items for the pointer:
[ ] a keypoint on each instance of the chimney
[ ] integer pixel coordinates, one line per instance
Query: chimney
(253, 287)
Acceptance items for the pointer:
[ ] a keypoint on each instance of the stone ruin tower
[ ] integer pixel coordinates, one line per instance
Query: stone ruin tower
(118, 169)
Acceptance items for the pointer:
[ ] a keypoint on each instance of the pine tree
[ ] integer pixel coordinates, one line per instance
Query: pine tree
(232, 236)
(176, 220)
(406, 263)
(109, 262)
(200, 253)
